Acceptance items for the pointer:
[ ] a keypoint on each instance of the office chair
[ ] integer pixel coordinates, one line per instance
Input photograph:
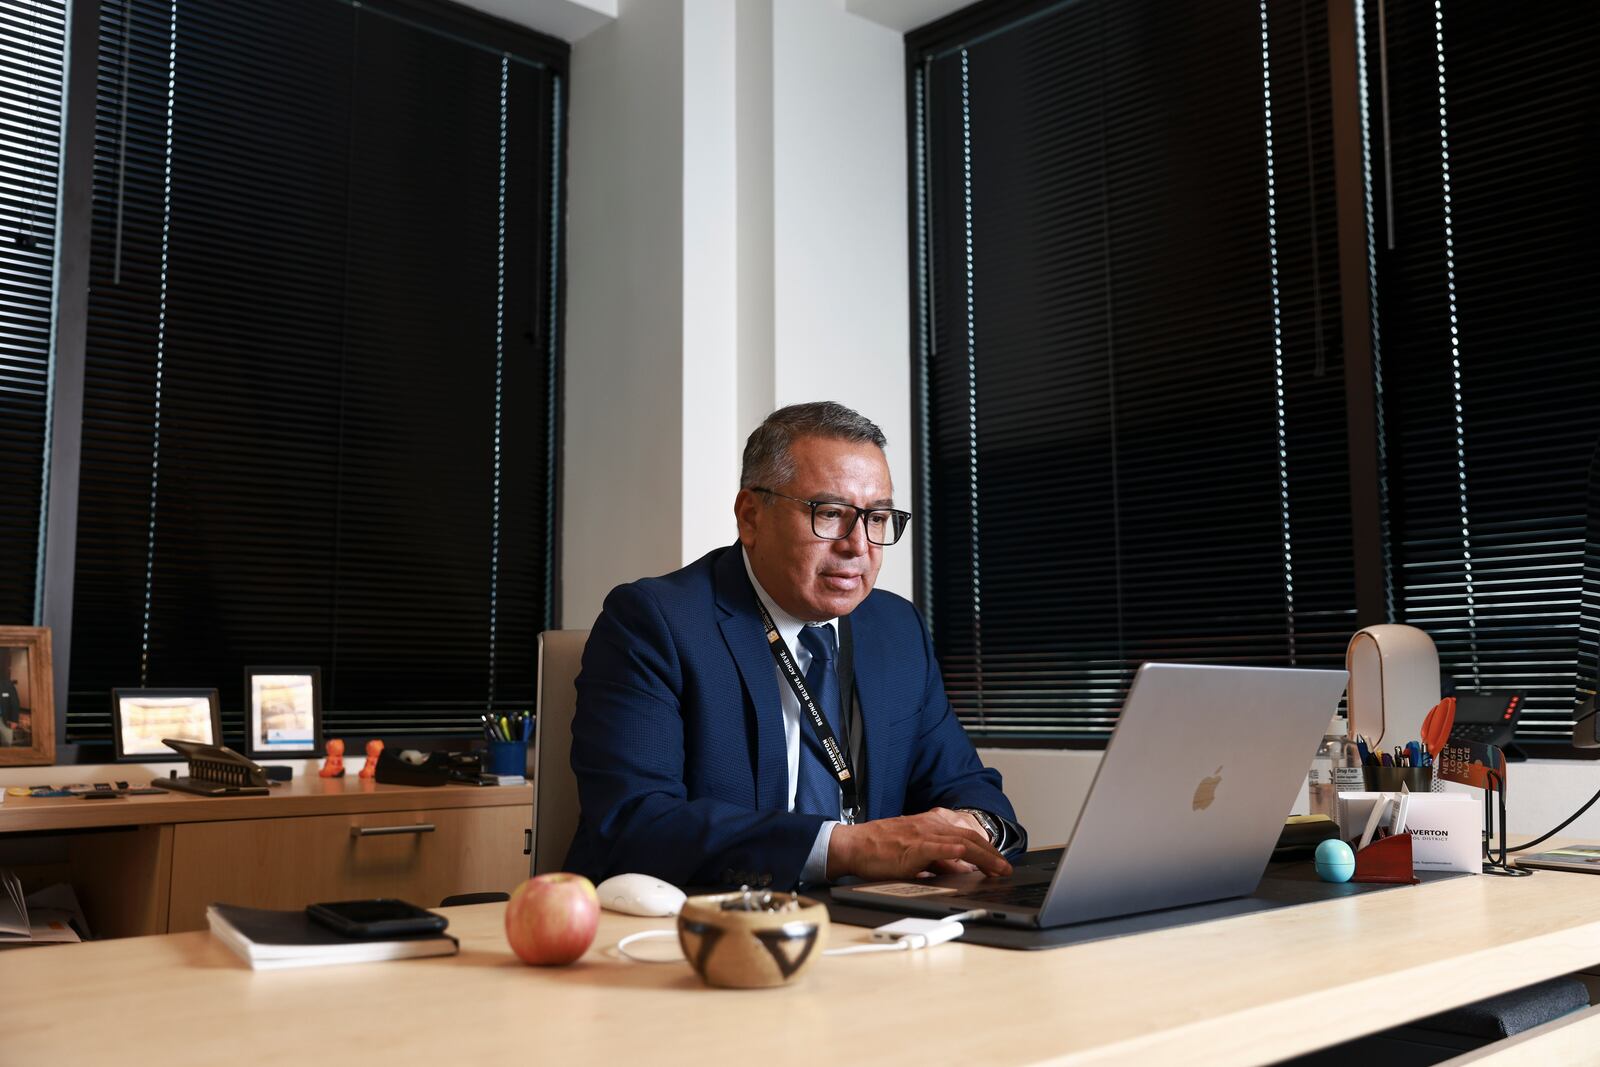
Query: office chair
(555, 789)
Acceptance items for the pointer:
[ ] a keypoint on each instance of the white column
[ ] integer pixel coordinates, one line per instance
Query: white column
(736, 240)
(840, 247)
(710, 395)
(622, 464)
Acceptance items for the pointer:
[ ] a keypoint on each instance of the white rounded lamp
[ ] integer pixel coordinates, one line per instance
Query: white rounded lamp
(1394, 683)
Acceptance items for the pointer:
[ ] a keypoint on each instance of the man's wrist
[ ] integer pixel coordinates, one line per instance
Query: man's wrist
(815, 870)
(837, 864)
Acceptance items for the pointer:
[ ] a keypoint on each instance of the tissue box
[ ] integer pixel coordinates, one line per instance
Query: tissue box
(1446, 828)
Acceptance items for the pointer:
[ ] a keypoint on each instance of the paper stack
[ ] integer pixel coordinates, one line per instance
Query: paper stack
(45, 917)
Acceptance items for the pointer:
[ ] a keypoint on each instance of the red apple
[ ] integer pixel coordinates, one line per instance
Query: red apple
(551, 918)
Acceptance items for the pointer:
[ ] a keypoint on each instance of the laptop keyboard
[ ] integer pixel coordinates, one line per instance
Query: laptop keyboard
(1026, 896)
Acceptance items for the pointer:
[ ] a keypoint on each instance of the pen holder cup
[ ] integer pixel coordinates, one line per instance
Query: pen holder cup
(506, 757)
(1390, 779)
(752, 940)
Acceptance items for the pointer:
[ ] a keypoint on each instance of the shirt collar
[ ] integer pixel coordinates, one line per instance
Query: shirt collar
(788, 626)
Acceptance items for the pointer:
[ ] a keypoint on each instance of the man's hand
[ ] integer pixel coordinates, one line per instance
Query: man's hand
(907, 845)
(961, 820)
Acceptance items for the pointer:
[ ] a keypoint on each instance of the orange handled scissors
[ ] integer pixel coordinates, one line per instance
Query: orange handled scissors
(1436, 726)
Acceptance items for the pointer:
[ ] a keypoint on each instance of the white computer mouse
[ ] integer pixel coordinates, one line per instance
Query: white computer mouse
(639, 894)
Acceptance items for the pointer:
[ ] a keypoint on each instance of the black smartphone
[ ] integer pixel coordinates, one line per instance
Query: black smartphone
(381, 917)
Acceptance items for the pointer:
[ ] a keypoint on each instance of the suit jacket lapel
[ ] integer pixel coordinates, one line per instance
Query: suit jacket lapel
(740, 623)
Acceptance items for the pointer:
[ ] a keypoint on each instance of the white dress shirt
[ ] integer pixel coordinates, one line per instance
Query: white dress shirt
(816, 866)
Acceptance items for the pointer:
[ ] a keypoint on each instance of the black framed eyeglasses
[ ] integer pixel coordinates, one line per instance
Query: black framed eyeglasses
(834, 521)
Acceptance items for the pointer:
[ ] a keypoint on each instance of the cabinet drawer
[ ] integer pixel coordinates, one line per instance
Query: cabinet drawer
(419, 856)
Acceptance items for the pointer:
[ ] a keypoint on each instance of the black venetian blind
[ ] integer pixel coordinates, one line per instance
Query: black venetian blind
(31, 34)
(1133, 424)
(1489, 314)
(318, 407)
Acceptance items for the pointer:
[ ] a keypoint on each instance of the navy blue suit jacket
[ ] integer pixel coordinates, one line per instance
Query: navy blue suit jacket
(678, 741)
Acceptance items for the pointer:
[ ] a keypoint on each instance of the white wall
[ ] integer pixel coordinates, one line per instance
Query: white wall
(736, 241)
(1048, 787)
(755, 133)
(621, 503)
(840, 239)
(710, 390)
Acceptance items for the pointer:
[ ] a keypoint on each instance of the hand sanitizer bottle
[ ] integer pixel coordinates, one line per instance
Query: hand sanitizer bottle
(1348, 774)
(1320, 787)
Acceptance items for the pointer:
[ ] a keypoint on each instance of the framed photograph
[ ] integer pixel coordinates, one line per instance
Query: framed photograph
(141, 718)
(27, 711)
(282, 712)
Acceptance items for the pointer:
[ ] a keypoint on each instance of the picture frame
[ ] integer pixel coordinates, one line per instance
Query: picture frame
(27, 704)
(141, 718)
(282, 712)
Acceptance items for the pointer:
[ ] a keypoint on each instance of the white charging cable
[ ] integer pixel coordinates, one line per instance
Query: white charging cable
(905, 938)
(649, 935)
(902, 935)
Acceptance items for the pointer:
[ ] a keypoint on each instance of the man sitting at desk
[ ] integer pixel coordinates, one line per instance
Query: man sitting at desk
(714, 741)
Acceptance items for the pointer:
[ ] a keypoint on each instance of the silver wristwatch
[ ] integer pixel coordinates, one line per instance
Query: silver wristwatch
(990, 824)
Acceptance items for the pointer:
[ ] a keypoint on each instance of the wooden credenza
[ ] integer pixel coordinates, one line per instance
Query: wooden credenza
(151, 864)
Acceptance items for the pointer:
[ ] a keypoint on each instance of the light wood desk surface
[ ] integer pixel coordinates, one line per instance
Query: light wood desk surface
(1246, 990)
(303, 795)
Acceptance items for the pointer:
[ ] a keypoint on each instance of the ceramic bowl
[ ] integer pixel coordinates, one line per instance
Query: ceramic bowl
(752, 940)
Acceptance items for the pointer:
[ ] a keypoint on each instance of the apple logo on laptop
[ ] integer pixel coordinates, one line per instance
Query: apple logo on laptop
(1206, 791)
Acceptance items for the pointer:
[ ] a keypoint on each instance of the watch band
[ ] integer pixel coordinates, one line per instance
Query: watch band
(990, 824)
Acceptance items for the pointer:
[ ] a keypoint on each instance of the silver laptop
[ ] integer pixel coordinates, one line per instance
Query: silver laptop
(1188, 802)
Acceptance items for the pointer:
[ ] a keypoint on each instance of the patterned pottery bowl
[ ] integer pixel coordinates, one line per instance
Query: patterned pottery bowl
(752, 940)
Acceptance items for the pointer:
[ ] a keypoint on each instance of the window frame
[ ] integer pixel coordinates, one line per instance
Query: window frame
(74, 225)
(1375, 583)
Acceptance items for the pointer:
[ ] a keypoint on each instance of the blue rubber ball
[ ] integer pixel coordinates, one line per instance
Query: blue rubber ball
(1335, 861)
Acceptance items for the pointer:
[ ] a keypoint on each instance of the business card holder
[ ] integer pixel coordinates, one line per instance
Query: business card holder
(1386, 860)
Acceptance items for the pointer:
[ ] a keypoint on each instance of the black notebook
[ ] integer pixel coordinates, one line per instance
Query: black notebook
(268, 940)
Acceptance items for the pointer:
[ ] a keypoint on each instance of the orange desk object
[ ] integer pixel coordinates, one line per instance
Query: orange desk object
(1436, 726)
(1386, 860)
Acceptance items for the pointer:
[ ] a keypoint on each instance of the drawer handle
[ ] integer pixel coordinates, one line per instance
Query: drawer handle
(384, 831)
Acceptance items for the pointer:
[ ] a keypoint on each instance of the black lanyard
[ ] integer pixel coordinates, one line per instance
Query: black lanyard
(837, 757)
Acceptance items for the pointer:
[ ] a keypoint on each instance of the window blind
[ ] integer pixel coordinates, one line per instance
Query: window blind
(1132, 411)
(31, 49)
(1488, 309)
(321, 348)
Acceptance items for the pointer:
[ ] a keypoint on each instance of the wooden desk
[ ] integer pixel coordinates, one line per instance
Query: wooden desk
(150, 864)
(1248, 990)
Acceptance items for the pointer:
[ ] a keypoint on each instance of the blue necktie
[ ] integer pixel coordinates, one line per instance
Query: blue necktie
(817, 792)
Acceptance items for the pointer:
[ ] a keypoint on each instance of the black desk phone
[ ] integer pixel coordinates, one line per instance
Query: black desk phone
(1489, 718)
(215, 771)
